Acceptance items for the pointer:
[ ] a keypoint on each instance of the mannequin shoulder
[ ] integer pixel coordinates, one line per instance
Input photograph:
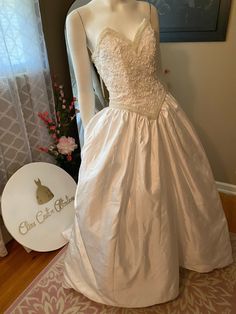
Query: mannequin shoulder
(154, 9)
(77, 15)
(154, 18)
(145, 7)
(73, 18)
(74, 26)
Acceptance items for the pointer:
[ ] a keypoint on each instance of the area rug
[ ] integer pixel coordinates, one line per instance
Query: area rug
(213, 292)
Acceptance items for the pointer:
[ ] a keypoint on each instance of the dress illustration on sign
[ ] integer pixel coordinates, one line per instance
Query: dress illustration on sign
(146, 201)
(43, 193)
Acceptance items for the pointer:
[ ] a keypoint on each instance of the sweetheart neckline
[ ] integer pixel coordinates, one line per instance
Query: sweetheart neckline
(139, 30)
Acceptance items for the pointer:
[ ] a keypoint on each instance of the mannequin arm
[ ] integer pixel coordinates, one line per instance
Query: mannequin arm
(77, 46)
(156, 26)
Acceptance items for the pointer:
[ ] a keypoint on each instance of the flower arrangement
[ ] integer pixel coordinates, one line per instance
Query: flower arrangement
(64, 148)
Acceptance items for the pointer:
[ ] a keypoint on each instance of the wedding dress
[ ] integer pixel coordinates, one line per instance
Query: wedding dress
(146, 201)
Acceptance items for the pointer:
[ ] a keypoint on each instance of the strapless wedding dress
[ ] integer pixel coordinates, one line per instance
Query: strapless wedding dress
(146, 201)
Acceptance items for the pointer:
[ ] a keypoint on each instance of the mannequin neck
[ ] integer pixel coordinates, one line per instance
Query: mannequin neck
(114, 4)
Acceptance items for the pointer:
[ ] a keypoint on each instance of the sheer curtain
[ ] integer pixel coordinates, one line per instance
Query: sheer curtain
(25, 87)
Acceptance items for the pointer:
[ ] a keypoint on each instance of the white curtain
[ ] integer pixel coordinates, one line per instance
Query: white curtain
(25, 87)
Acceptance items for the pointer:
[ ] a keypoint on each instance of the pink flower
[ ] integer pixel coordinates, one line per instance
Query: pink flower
(69, 157)
(44, 116)
(45, 113)
(63, 107)
(66, 145)
(43, 149)
(53, 127)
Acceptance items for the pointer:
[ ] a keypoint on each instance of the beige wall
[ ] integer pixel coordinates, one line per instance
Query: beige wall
(203, 79)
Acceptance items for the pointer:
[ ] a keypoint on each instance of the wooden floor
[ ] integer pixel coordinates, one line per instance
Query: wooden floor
(229, 205)
(19, 268)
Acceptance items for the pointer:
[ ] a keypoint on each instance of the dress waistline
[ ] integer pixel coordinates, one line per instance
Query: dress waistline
(150, 112)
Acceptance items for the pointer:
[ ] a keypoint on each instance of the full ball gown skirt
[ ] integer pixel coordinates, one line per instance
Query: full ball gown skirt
(146, 201)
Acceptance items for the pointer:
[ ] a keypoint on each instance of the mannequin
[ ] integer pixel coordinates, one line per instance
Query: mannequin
(83, 28)
(146, 201)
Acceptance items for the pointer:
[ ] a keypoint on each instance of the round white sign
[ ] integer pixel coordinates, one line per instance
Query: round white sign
(38, 205)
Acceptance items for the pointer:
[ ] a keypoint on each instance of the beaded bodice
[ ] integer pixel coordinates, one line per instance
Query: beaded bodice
(129, 69)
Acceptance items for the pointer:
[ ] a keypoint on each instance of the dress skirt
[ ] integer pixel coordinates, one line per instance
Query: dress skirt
(146, 203)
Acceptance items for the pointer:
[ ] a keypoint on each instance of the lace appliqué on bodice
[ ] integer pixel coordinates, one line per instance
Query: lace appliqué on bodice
(129, 69)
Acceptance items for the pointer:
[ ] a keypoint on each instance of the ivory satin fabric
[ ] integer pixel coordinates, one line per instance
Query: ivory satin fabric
(146, 201)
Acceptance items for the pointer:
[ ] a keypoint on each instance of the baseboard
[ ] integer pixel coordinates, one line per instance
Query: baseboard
(226, 188)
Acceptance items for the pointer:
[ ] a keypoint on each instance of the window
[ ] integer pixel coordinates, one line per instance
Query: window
(22, 45)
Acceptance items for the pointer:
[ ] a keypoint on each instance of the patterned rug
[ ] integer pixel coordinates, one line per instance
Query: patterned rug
(213, 292)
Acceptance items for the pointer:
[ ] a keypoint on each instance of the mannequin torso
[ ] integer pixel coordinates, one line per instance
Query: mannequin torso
(84, 27)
